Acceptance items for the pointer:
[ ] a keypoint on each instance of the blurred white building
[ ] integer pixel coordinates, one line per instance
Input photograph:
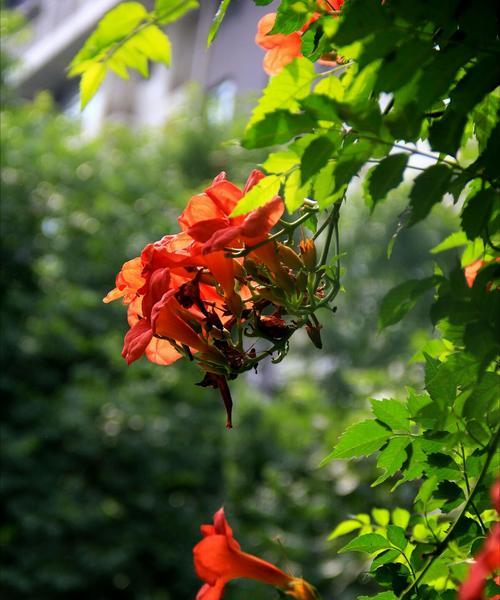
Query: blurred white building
(58, 29)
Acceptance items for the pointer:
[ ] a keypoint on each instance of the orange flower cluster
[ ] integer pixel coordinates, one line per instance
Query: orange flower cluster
(487, 562)
(187, 295)
(218, 559)
(282, 49)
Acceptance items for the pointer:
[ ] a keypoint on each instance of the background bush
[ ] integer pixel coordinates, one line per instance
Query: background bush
(108, 471)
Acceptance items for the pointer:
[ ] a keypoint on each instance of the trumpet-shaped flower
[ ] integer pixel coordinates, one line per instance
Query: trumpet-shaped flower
(282, 49)
(219, 559)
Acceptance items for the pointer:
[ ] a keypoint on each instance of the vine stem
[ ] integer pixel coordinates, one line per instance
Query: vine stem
(287, 228)
(333, 220)
(441, 547)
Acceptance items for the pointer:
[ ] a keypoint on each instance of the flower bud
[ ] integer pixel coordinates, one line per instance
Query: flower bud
(313, 331)
(289, 257)
(308, 253)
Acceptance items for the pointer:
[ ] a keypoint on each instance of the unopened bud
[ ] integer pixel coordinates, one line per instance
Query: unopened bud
(308, 253)
(289, 257)
(313, 331)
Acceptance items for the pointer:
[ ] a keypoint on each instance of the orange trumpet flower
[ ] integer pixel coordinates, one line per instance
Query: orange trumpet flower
(218, 559)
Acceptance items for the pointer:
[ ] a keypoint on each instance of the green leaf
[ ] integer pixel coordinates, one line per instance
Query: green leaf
(454, 240)
(167, 11)
(428, 189)
(316, 156)
(484, 117)
(369, 543)
(295, 194)
(360, 439)
(345, 527)
(361, 19)
(276, 128)
(284, 90)
(385, 176)
(381, 516)
(483, 396)
(217, 20)
(152, 42)
(400, 517)
(351, 159)
(391, 458)
(382, 559)
(290, 17)
(260, 194)
(324, 185)
(399, 67)
(397, 537)
(114, 27)
(401, 299)
(445, 134)
(477, 211)
(90, 82)
(391, 412)
(281, 162)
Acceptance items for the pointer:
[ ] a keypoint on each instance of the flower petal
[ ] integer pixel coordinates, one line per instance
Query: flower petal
(136, 340)
(203, 230)
(161, 352)
(259, 222)
(200, 208)
(225, 195)
(278, 57)
(211, 592)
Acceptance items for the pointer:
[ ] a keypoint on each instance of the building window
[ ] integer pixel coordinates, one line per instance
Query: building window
(222, 102)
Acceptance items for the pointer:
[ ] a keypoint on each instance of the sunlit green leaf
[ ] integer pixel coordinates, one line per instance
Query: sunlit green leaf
(345, 527)
(260, 194)
(275, 128)
(285, 89)
(396, 536)
(391, 412)
(361, 439)
(391, 458)
(280, 162)
(295, 193)
(90, 82)
(369, 543)
(167, 11)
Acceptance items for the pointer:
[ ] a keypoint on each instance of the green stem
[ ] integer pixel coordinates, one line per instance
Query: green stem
(467, 485)
(441, 547)
(287, 228)
(332, 222)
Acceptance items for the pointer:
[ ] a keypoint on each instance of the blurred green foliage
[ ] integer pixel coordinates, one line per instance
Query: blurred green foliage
(109, 470)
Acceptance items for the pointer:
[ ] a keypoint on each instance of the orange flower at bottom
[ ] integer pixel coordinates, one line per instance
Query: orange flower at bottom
(218, 559)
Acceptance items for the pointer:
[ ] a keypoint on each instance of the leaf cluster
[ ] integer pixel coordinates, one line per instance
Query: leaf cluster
(127, 37)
